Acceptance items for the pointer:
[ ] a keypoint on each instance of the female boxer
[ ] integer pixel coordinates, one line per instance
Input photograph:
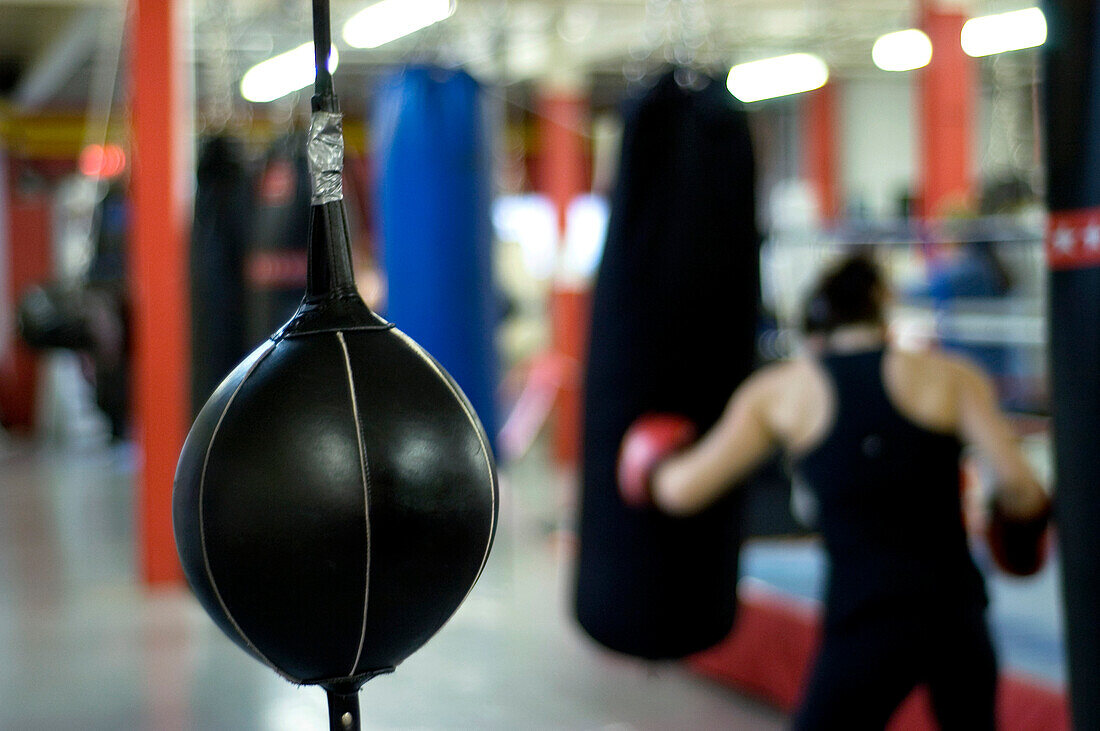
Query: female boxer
(877, 434)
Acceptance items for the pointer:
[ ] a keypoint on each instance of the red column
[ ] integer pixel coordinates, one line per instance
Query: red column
(158, 266)
(947, 98)
(562, 169)
(29, 238)
(819, 148)
(562, 173)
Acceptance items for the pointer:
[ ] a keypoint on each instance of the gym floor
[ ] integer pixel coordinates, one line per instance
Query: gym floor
(83, 646)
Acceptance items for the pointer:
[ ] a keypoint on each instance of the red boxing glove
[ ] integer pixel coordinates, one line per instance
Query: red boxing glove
(1019, 546)
(649, 440)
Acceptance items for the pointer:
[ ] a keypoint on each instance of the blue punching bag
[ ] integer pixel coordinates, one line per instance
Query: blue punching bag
(432, 155)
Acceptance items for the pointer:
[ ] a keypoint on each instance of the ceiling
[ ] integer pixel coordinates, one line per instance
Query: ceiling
(58, 54)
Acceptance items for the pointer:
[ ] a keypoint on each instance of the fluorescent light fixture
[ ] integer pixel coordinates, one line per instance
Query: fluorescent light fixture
(903, 50)
(389, 20)
(779, 76)
(1002, 32)
(280, 75)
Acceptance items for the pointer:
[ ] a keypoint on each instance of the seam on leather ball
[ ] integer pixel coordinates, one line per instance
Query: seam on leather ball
(467, 410)
(364, 471)
(202, 524)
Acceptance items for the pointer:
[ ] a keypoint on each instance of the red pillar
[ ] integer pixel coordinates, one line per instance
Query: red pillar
(29, 210)
(947, 99)
(562, 170)
(819, 148)
(158, 266)
(562, 174)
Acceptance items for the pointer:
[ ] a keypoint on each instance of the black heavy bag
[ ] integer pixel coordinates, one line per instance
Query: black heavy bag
(335, 500)
(221, 227)
(54, 316)
(1071, 88)
(275, 259)
(673, 323)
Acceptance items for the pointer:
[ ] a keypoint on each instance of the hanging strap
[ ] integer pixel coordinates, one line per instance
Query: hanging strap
(322, 47)
(325, 148)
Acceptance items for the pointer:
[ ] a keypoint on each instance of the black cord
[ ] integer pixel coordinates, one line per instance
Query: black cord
(322, 46)
(330, 271)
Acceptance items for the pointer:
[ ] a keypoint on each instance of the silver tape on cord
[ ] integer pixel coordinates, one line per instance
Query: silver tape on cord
(326, 157)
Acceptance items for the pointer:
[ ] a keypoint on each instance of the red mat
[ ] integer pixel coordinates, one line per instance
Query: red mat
(769, 653)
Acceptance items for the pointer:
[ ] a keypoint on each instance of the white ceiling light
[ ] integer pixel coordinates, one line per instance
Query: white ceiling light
(1002, 32)
(779, 76)
(903, 50)
(391, 19)
(280, 75)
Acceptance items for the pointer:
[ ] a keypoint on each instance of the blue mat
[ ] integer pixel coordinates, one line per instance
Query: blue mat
(1025, 613)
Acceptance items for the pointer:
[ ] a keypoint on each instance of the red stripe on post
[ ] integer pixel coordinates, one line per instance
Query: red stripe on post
(1073, 239)
(276, 270)
(158, 256)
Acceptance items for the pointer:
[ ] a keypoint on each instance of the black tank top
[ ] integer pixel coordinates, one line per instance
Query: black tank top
(888, 504)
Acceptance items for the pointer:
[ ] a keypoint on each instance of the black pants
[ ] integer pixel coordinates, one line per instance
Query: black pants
(864, 671)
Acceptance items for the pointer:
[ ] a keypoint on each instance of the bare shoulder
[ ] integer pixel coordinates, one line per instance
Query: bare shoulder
(947, 368)
(789, 397)
(781, 378)
(933, 388)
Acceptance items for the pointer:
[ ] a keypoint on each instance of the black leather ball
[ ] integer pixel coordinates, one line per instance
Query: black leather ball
(336, 498)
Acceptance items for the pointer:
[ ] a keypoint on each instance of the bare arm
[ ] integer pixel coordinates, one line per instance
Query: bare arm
(983, 426)
(737, 443)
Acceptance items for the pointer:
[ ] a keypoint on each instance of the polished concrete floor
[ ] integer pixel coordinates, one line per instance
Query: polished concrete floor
(83, 646)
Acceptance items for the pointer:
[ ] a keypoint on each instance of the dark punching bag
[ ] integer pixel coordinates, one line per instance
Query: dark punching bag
(1071, 88)
(221, 226)
(335, 500)
(275, 260)
(432, 153)
(673, 323)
